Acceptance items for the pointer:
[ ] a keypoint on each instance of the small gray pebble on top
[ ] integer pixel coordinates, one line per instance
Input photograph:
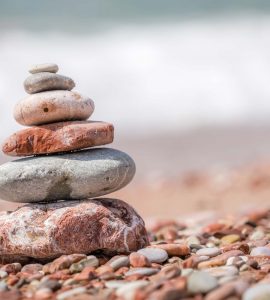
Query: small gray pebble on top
(51, 68)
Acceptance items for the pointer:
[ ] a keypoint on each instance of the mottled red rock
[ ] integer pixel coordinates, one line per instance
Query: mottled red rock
(44, 231)
(58, 137)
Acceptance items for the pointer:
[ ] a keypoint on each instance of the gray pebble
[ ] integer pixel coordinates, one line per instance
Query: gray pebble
(260, 251)
(222, 271)
(71, 293)
(90, 261)
(201, 282)
(211, 252)
(46, 81)
(119, 262)
(258, 292)
(79, 175)
(154, 255)
(52, 68)
(115, 284)
(128, 290)
(142, 271)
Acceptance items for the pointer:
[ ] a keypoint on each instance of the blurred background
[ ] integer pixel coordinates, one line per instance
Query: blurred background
(186, 84)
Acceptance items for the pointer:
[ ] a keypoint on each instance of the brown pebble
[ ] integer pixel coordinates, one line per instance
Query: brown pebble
(87, 273)
(12, 268)
(174, 249)
(138, 260)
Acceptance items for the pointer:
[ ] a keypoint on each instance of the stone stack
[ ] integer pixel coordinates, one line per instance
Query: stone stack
(62, 176)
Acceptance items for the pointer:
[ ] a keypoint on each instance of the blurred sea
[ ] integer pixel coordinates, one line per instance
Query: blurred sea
(161, 68)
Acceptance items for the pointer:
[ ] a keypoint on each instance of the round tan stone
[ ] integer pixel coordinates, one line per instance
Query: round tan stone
(53, 106)
(58, 137)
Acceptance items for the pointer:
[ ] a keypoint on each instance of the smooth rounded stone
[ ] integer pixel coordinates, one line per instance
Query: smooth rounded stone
(80, 175)
(52, 68)
(46, 81)
(71, 293)
(115, 284)
(68, 227)
(222, 271)
(90, 261)
(128, 290)
(154, 255)
(260, 251)
(186, 272)
(201, 282)
(211, 252)
(58, 137)
(142, 271)
(53, 106)
(257, 292)
(118, 262)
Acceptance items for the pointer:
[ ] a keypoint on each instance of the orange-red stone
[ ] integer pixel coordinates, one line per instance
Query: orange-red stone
(58, 137)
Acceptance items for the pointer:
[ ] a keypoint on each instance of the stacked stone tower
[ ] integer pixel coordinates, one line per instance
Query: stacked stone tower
(62, 175)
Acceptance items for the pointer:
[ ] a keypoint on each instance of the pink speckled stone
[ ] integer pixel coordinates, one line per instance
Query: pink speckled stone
(46, 231)
(58, 137)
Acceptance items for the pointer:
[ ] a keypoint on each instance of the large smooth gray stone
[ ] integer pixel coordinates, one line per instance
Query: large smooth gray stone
(46, 81)
(78, 175)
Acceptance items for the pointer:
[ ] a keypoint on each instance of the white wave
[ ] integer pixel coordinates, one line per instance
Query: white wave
(155, 77)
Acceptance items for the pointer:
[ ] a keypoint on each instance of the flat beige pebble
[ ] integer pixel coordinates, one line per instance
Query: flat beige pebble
(53, 106)
(52, 68)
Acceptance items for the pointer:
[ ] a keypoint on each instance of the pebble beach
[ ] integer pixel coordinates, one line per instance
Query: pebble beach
(226, 259)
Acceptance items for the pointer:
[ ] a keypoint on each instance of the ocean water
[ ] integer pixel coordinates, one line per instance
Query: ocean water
(152, 78)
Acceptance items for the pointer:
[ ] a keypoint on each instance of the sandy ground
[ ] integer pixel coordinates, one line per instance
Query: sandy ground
(225, 169)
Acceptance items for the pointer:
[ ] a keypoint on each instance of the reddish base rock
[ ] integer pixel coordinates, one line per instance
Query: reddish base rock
(58, 137)
(46, 231)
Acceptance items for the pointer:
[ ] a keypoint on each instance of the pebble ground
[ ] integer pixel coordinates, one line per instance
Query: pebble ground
(226, 259)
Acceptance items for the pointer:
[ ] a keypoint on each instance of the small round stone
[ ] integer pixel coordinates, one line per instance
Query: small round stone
(211, 252)
(142, 271)
(127, 291)
(260, 251)
(257, 292)
(154, 255)
(201, 282)
(46, 81)
(53, 106)
(222, 271)
(118, 262)
(52, 68)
